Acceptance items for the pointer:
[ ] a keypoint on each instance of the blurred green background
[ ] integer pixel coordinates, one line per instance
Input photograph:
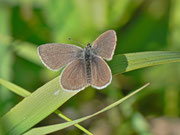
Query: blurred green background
(141, 25)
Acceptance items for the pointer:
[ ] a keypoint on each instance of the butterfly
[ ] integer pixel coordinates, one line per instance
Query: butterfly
(84, 66)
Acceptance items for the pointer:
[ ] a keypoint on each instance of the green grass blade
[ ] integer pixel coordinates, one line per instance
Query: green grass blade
(14, 88)
(59, 113)
(5, 58)
(47, 98)
(132, 61)
(53, 128)
(14, 120)
(24, 49)
(24, 93)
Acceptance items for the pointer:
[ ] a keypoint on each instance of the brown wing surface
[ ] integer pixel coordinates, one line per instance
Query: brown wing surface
(101, 73)
(74, 76)
(105, 44)
(54, 56)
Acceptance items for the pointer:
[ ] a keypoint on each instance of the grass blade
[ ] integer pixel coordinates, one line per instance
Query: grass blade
(132, 61)
(44, 101)
(14, 88)
(53, 128)
(24, 93)
(16, 121)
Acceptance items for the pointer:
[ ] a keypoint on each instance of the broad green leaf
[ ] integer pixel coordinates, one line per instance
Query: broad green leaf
(53, 128)
(49, 97)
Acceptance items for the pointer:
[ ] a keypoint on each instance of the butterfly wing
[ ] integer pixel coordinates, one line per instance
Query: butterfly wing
(73, 76)
(54, 56)
(105, 44)
(100, 73)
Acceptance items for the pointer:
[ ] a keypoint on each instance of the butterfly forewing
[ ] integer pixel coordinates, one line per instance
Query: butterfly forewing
(105, 44)
(54, 56)
(74, 76)
(100, 73)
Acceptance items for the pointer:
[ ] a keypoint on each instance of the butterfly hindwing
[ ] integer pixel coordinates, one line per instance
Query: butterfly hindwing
(73, 76)
(100, 73)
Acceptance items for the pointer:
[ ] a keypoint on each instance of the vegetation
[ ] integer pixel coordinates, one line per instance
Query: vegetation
(148, 35)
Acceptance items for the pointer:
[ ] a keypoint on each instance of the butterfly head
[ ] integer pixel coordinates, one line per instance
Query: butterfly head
(88, 45)
(87, 51)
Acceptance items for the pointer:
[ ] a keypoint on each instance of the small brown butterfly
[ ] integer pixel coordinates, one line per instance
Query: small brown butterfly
(85, 66)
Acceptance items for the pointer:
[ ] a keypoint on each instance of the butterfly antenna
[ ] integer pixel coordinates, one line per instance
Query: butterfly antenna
(76, 42)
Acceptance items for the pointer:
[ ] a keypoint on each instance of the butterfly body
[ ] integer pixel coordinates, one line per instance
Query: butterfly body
(87, 59)
(84, 66)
